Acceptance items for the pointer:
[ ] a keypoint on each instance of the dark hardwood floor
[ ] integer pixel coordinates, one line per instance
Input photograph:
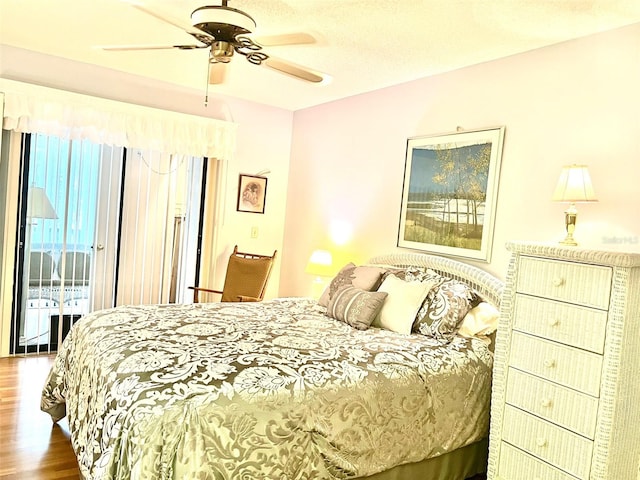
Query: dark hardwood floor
(32, 447)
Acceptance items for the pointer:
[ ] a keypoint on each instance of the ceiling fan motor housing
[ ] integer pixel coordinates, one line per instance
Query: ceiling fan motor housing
(221, 22)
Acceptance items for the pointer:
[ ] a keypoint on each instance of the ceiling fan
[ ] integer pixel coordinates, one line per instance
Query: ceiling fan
(225, 31)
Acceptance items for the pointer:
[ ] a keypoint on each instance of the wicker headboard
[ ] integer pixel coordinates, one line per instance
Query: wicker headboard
(486, 285)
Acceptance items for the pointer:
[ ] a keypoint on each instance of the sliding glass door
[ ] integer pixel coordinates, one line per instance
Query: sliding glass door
(100, 226)
(62, 188)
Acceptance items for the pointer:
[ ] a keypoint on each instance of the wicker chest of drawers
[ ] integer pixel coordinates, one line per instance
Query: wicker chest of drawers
(566, 388)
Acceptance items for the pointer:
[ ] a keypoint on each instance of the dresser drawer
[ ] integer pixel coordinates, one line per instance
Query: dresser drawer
(517, 465)
(559, 363)
(581, 327)
(557, 446)
(588, 285)
(563, 406)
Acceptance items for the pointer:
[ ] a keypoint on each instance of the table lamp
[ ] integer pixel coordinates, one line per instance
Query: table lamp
(320, 265)
(574, 186)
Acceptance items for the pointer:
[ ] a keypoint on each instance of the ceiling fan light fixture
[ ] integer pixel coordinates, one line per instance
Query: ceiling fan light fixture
(222, 22)
(221, 52)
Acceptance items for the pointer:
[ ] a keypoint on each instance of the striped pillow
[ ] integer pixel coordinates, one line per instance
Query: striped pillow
(365, 277)
(355, 306)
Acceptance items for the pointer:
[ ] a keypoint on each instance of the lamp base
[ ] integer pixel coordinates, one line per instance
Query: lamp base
(570, 218)
(569, 241)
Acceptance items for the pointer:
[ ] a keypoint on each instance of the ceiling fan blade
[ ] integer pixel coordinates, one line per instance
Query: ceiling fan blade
(296, 38)
(217, 73)
(294, 70)
(187, 27)
(117, 48)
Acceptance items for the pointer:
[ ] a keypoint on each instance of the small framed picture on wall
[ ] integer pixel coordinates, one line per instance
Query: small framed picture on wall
(252, 193)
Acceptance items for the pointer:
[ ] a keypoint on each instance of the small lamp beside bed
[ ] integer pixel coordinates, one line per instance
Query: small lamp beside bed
(320, 265)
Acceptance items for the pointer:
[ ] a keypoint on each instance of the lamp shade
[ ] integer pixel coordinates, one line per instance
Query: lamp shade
(38, 204)
(320, 263)
(574, 185)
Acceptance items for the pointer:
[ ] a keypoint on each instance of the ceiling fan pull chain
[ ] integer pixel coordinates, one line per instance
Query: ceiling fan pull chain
(206, 89)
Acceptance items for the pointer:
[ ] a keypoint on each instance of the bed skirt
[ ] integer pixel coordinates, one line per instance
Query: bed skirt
(459, 464)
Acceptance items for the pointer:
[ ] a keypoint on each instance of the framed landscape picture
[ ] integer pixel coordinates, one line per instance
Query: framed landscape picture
(252, 193)
(450, 191)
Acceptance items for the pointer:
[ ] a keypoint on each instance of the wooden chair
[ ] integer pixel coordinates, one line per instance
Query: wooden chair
(246, 278)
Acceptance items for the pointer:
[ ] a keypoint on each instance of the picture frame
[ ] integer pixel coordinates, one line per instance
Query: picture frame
(252, 193)
(450, 192)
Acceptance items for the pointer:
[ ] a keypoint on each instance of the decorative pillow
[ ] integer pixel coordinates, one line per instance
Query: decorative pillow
(363, 277)
(407, 274)
(403, 302)
(444, 308)
(355, 306)
(395, 271)
(413, 274)
(481, 320)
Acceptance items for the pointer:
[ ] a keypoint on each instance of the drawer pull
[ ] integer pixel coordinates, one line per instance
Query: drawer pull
(546, 402)
(553, 322)
(541, 442)
(558, 282)
(551, 363)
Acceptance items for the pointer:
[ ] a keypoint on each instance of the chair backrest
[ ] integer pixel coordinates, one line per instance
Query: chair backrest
(247, 275)
(76, 268)
(40, 268)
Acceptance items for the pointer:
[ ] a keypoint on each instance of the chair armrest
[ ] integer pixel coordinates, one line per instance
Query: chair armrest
(196, 290)
(245, 298)
(202, 289)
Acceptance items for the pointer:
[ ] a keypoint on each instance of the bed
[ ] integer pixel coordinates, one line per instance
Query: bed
(282, 389)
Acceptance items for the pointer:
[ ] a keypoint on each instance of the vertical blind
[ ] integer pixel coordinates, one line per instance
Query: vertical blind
(158, 238)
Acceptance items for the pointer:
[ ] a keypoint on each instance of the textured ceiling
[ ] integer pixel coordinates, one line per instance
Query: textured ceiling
(363, 45)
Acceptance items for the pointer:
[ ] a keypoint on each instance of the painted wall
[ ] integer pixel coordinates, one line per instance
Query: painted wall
(340, 165)
(576, 102)
(263, 139)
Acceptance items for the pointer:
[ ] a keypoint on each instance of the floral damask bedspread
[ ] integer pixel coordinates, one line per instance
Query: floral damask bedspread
(270, 390)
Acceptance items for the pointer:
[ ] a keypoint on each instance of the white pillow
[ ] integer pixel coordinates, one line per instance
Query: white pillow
(481, 320)
(402, 304)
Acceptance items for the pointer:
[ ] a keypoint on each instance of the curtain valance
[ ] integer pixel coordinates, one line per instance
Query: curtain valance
(34, 109)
